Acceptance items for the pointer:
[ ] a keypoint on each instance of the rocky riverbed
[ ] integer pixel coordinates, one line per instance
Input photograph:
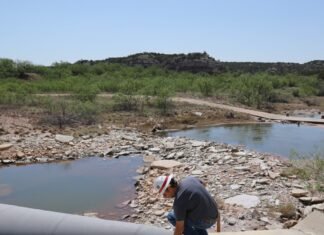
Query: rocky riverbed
(251, 190)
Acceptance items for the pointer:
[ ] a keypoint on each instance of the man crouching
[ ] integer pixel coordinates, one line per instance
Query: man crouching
(194, 209)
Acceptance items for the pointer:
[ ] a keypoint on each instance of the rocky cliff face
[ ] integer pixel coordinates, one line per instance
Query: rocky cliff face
(203, 63)
(192, 62)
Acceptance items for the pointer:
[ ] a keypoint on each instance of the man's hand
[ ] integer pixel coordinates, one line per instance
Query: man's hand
(179, 228)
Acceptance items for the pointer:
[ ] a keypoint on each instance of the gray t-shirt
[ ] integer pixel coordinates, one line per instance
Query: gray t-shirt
(193, 201)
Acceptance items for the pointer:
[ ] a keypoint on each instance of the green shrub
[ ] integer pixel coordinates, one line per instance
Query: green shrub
(252, 91)
(320, 89)
(63, 112)
(280, 97)
(163, 101)
(86, 93)
(321, 75)
(296, 92)
(205, 86)
(87, 112)
(59, 112)
(125, 102)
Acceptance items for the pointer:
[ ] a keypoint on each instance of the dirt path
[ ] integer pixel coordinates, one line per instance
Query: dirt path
(227, 107)
(248, 111)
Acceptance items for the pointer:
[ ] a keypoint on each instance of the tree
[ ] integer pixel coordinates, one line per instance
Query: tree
(8, 68)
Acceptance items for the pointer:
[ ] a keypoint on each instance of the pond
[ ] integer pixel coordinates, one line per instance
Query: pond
(87, 185)
(278, 139)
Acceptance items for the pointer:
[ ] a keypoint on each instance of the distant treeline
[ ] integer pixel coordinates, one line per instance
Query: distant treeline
(151, 74)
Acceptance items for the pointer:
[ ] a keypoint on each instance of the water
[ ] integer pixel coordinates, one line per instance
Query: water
(278, 139)
(86, 185)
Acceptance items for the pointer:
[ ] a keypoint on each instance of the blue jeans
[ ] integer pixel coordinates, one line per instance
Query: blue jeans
(192, 227)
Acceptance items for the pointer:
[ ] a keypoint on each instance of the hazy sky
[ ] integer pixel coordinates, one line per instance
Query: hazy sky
(44, 31)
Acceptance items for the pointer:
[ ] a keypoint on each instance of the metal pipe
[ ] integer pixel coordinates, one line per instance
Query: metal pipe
(15, 220)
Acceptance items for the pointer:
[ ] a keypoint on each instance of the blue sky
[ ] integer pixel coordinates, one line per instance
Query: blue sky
(44, 31)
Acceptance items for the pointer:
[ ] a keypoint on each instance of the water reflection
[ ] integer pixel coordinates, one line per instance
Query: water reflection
(90, 184)
(276, 138)
(5, 190)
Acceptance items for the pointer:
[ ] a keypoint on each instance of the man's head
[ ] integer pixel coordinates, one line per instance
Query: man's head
(166, 185)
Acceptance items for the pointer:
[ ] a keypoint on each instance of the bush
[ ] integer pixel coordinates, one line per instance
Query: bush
(59, 112)
(86, 94)
(163, 101)
(64, 112)
(296, 92)
(321, 75)
(205, 86)
(280, 97)
(252, 91)
(320, 89)
(87, 112)
(125, 102)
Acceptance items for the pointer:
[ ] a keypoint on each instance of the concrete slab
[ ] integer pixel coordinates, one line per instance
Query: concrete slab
(264, 232)
(312, 224)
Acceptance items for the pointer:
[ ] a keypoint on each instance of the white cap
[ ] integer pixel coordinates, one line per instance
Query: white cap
(162, 182)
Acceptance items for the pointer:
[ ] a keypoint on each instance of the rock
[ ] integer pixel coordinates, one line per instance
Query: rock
(5, 146)
(273, 175)
(316, 200)
(91, 214)
(235, 186)
(149, 158)
(158, 212)
(42, 159)
(86, 137)
(142, 170)
(247, 201)
(263, 181)
(123, 204)
(231, 221)
(309, 209)
(125, 217)
(305, 199)
(133, 205)
(265, 219)
(7, 161)
(165, 164)
(239, 154)
(197, 172)
(171, 156)
(63, 138)
(199, 114)
(180, 155)
(299, 192)
(155, 150)
(20, 154)
(242, 168)
(196, 143)
(264, 166)
(289, 224)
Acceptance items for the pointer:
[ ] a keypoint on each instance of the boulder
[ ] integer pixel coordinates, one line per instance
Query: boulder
(5, 146)
(63, 138)
(247, 201)
(299, 192)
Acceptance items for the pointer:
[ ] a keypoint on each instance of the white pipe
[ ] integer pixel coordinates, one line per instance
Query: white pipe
(15, 220)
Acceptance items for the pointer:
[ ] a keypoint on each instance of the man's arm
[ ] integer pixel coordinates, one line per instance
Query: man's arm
(179, 228)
